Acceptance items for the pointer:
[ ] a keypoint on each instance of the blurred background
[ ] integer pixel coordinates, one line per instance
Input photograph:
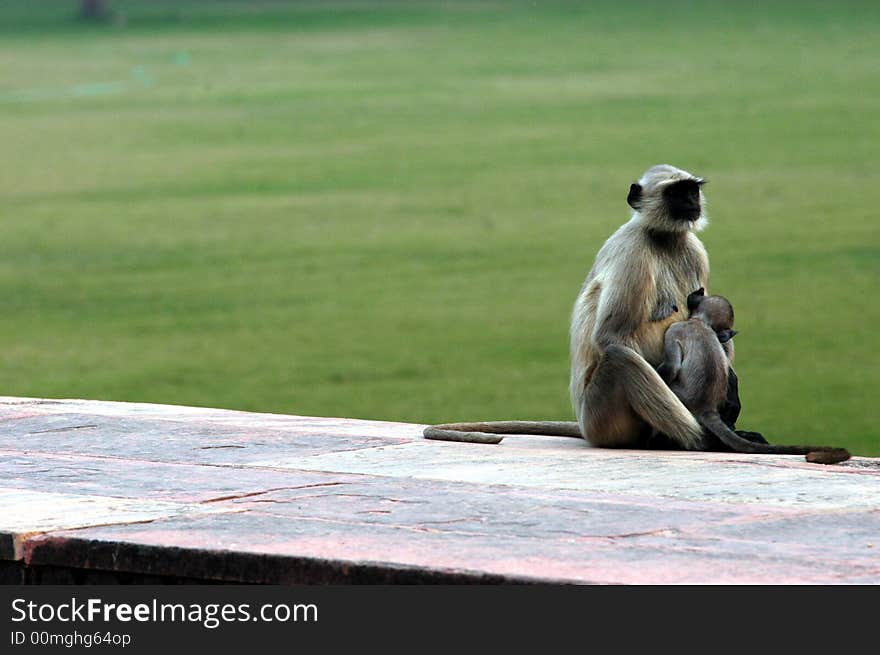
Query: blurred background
(386, 209)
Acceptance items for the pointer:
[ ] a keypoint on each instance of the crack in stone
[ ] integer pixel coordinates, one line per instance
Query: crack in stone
(65, 429)
(217, 447)
(268, 491)
(23, 543)
(646, 533)
(387, 498)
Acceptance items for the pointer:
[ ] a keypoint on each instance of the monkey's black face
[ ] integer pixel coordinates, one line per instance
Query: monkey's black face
(683, 199)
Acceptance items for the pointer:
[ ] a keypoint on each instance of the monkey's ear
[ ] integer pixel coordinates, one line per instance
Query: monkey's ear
(695, 298)
(726, 335)
(635, 196)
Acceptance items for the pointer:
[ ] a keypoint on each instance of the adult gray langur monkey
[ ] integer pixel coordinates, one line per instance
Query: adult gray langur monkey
(637, 288)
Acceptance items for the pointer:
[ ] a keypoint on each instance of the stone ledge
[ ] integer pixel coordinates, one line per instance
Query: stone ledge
(120, 492)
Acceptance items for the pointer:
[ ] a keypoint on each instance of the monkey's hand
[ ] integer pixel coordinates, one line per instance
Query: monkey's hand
(666, 309)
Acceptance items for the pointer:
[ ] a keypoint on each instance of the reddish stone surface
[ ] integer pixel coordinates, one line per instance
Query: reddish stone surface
(104, 492)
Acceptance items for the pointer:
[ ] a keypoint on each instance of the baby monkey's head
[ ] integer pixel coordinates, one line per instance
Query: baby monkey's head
(714, 311)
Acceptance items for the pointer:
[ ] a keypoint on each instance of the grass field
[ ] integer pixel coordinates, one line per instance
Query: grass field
(386, 209)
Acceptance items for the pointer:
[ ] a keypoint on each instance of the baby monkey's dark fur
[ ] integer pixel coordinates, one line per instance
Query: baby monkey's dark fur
(696, 368)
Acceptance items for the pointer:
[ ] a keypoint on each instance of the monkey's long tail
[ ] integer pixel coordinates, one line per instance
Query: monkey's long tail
(486, 432)
(818, 454)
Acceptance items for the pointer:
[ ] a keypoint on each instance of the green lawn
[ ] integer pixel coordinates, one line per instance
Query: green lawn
(385, 209)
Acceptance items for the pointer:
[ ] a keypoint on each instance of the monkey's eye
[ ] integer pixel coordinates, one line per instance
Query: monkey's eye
(675, 308)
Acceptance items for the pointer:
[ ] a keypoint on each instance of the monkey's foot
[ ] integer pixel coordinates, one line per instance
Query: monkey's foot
(754, 437)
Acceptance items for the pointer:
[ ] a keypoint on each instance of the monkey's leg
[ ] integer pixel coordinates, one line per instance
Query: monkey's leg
(626, 397)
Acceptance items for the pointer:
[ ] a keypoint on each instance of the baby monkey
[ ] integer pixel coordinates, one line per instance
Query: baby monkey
(696, 368)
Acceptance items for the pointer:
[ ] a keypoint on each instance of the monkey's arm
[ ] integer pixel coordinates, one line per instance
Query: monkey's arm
(673, 353)
(620, 311)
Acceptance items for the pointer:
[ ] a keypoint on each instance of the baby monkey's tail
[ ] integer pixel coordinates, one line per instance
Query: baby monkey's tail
(816, 454)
